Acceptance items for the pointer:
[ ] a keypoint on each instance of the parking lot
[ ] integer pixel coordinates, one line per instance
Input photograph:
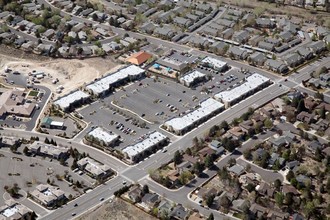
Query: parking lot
(100, 114)
(221, 81)
(158, 101)
(28, 172)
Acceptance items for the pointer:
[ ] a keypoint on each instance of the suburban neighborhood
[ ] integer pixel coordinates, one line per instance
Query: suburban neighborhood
(165, 109)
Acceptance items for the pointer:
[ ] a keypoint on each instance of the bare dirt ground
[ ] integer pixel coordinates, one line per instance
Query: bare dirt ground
(116, 210)
(71, 73)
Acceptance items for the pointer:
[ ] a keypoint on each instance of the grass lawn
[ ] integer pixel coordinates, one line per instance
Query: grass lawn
(33, 93)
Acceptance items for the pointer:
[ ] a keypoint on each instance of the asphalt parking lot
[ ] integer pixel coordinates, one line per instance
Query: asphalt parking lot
(99, 114)
(222, 81)
(32, 171)
(158, 101)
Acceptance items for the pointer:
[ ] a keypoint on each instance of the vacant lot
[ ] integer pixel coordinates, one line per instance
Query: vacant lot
(71, 73)
(116, 210)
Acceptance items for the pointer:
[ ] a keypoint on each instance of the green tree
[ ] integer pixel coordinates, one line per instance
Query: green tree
(211, 217)
(279, 198)
(145, 189)
(247, 154)
(185, 177)
(319, 95)
(177, 157)
(309, 209)
(301, 106)
(268, 123)
(25, 150)
(290, 175)
(209, 161)
(225, 202)
(209, 200)
(322, 112)
(277, 184)
(198, 168)
(224, 125)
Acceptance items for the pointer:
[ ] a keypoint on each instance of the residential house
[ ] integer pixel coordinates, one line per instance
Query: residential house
(304, 53)
(204, 152)
(289, 189)
(87, 12)
(294, 42)
(321, 31)
(236, 133)
(150, 200)
(266, 190)
(179, 213)
(247, 126)
(305, 117)
(254, 40)
(239, 205)
(241, 36)
(292, 164)
(274, 41)
(302, 179)
(265, 23)
(321, 125)
(135, 194)
(193, 18)
(164, 32)
(314, 145)
(276, 66)
(227, 34)
(225, 23)
(286, 36)
(207, 8)
(257, 210)
(147, 28)
(274, 157)
(293, 59)
(272, 214)
(281, 141)
(266, 46)
(210, 31)
(257, 59)
(182, 22)
(164, 206)
(236, 170)
(204, 192)
(219, 47)
(238, 53)
(317, 46)
(282, 48)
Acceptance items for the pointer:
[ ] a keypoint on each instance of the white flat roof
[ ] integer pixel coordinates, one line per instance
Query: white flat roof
(190, 77)
(153, 139)
(252, 82)
(10, 211)
(57, 123)
(207, 107)
(65, 101)
(103, 84)
(214, 62)
(103, 135)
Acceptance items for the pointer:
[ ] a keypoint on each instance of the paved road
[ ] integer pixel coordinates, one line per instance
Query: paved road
(139, 172)
(87, 201)
(105, 158)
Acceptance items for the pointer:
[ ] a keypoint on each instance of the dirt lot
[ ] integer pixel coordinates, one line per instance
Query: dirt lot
(116, 210)
(71, 73)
